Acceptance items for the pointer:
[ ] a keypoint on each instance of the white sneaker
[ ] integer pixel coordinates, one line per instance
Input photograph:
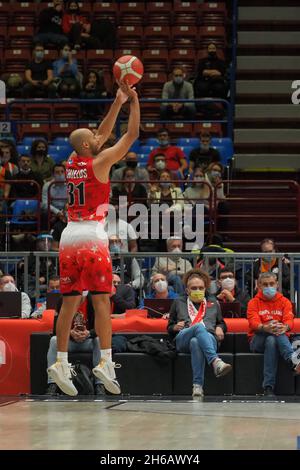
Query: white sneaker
(197, 391)
(105, 371)
(61, 373)
(221, 368)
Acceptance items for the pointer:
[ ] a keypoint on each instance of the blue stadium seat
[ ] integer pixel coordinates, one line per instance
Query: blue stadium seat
(28, 140)
(146, 149)
(135, 147)
(61, 141)
(142, 159)
(23, 149)
(62, 150)
(193, 142)
(56, 157)
(24, 207)
(186, 149)
(225, 148)
(152, 141)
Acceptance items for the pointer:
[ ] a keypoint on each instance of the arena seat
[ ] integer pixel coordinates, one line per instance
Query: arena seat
(158, 13)
(23, 14)
(66, 111)
(213, 13)
(132, 13)
(158, 36)
(184, 58)
(177, 129)
(63, 129)
(37, 111)
(215, 34)
(150, 110)
(185, 13)
(156, 60)
(152, 84)
(127, 51)
(34, 129)
(23, 209)
(15, 60)
(130, 36)
(20, 36)
(184, 36)
(189, 141)
(213, 128)
(23, 149)
(202, 54)
(5, 9)
(108, 10)
(100, 59)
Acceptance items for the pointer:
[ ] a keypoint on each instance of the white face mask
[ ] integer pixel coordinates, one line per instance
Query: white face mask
(228, 283)
(160, 286)
(176, 250)
(9, 287)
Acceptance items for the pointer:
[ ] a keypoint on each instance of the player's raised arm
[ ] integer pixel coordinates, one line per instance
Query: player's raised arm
(104, 161)
(106, 127)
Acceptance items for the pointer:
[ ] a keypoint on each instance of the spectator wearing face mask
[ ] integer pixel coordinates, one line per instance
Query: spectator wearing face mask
(8, 284)
(114, 225)
(178, 88)
(270, 316)
(159, 289)
(197, 192)
(173, 267)
(203, 155)
(57, 193)
(122, 298)
(228, 290)
(25, 190)
(41, 163)
(50, 25)
(140, 174)
(165, 192)
(39, 76)
(66, 74)
(210, 78)
(41, 303)
(135, 192)
(175, 158)
(129, 266)
(197, 327)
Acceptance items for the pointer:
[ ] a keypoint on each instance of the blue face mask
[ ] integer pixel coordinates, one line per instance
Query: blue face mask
(115, 249)
(269, 292)
(55, 291)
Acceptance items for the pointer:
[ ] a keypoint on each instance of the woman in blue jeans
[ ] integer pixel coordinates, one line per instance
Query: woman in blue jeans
(197, 326)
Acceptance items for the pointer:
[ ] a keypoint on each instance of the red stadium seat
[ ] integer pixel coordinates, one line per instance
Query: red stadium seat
(150, 110)
(51, 54)
(215, 34)
(184, 58)
(20, 36)
(202, 54)
(157, 37)
(106, 10)
(66, 111)
(179, 129)
(215, 129)
(127, 51)
(159, 13)
(17, 111)
(149, 129)
(16, 59)
(132, 13)
(156, 60)
(5, 9)
(23, 13)
(100, 59)
(152, 84)
(130, 36)
(185, 13)
(63, 129)
(184, 36)
(34, 129)
(85, 9)
(213, 13)
(3, 36)
(36, 112)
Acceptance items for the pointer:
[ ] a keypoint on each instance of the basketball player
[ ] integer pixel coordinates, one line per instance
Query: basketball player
(84, 258)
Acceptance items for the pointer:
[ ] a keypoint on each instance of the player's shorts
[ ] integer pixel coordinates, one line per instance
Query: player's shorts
(84, 259)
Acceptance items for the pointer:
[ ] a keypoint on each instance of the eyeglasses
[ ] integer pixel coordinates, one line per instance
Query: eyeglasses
(230, 276)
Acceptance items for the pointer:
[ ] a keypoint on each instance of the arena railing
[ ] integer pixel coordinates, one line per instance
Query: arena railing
(241, 263)
(15, 122)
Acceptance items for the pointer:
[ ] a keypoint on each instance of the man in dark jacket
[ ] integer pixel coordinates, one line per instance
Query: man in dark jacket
(203, 155)
(229, 292)
(210, 79)
(26, 190)
(50, 25)
(197, 326)
(123, 297)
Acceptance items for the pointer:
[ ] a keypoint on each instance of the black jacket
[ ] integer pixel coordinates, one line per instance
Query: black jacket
(179, 312)
(50, 21)
(123, 299)
(199, 158)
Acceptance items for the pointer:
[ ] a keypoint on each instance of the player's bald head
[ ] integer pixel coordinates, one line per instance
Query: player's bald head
(81, 139)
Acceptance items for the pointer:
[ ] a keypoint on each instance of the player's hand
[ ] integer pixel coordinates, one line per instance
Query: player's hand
(125, 92)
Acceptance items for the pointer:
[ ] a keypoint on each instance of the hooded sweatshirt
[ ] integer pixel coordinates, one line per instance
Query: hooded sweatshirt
(261, 310)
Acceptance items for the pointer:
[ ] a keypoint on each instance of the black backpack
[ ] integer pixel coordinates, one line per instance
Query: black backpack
(83, 380)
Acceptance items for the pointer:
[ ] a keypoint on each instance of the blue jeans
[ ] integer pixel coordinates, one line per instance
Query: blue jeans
(201, 344)
(270, 345)
(91, 345)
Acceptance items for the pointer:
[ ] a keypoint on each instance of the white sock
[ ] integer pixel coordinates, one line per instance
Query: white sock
(62, 356)
(106, 354)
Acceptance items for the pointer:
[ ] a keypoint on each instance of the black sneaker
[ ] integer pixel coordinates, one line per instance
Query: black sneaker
(268, 391)
(52, 389)
(99, 390)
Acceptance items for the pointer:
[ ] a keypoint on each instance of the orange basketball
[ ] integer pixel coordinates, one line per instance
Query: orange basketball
(128, 69)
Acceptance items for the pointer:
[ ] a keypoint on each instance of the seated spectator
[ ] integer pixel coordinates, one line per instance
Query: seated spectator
(197, 326)
(100, 34)
(129, 269)
(8, 284)
(66, 74)
(203, 155)
(160, 166)
(173, 267)
(197, 192)
(83, 338)
(159, 289)
(269, 264)
(14, 85)
(25, 190)
(58, 228)
(50, 25)
(54, 208)
(41, 303)
(122, 298)
(166, 192)
(13, 149)
(270, 317)
(7, 161)
(135, 192)
(124, 230)
(175, 158)
(131, 161)
(229, 291)
(41, 163)
(93, 88)
(210, 79)
(178, 88)
(39, 76)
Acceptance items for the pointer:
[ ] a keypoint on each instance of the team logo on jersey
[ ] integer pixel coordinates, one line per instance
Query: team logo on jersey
(82, 163)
